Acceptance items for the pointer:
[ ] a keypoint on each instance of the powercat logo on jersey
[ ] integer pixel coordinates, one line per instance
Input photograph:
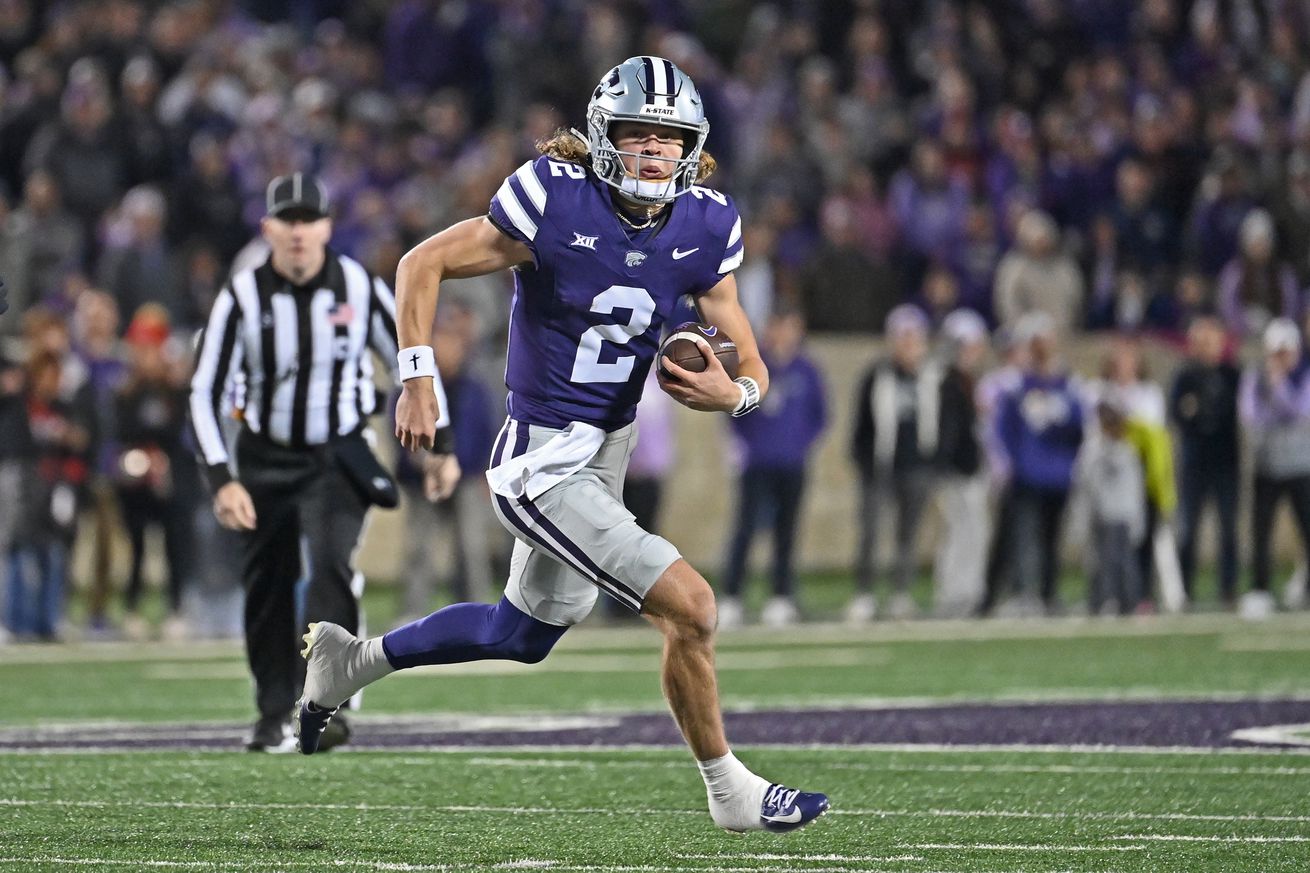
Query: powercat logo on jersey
(634, 259)
(584, 242)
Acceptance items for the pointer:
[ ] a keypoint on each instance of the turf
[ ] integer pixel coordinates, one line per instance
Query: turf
(642, 810)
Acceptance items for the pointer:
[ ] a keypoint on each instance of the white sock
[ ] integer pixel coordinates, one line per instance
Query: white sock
(735, 792)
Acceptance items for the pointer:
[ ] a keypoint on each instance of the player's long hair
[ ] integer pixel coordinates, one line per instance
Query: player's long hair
(567, 145)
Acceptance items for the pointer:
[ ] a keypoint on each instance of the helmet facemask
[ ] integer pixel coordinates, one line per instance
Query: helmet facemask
(646, 91)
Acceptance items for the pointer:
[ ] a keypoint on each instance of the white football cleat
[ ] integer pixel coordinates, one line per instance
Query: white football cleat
(861, 610)
(731, 613)
(779, 612)
(1256, 605)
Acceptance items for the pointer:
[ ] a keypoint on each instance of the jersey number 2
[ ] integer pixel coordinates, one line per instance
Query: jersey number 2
(587, 366)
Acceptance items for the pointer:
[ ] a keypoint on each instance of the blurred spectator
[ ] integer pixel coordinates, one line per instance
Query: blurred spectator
(992, 390)
(1255, 286)
(931, 208)
(468, 511)
(844, 289)
(205, 201)
(1292, 215)
(894, 447)
(138, 265)
(939, 295)
(1101, 267)
(46, 331)
(1139, 399)
(95, 329)
(54, 471)
(1224, 198)
(39, 242)
(150, 155)
(961, 550)
(156, 475)
(82, 149)
(1203, 406)
(757, 276)
(1041, 426)
(13, 451)
(1274, 403)
(776, 443)
(975, 261)
(1036, 276)
(30, 99)
(1144, 232)
(1109, 474)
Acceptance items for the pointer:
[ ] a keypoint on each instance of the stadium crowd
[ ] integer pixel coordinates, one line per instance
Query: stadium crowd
(1140, 169)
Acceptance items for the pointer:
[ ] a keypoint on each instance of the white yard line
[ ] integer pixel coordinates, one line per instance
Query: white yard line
(1018, 847)
(1230, 838)
(767, 856)
(640, 811)
(1036, 769)
(1278, 734)
(230, 865)
(1279, 643)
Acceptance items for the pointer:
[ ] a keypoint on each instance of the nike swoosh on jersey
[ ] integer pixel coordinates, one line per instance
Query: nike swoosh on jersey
(679, 255)
(790, 818)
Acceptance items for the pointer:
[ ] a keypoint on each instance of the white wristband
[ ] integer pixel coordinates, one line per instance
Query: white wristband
(416, 361)
(750, 396)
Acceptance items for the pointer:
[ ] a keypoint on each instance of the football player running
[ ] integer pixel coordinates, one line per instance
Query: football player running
(605, 232)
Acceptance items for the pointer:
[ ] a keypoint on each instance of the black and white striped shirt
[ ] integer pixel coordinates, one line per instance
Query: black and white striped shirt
(302, 352)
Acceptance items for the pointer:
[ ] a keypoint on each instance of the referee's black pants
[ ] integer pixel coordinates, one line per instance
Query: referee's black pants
(297, 493)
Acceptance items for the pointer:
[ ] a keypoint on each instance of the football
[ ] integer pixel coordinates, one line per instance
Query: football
(682, 347)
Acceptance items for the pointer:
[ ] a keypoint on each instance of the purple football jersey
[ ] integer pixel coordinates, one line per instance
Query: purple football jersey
(587, 314)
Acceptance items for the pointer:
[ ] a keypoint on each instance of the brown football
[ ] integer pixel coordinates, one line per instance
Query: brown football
(682, 347)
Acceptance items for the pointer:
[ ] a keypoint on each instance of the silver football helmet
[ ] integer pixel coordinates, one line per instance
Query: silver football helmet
(650, 90)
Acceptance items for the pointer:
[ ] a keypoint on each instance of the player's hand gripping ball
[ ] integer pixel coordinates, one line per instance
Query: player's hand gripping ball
(682, 347)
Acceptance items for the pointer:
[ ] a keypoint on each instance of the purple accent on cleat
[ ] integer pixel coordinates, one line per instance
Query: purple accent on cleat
(311, 721)
(788, 809)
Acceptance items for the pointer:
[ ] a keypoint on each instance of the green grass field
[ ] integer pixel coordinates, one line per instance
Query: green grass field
(897, 806)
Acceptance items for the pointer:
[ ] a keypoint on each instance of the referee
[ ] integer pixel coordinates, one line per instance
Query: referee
(294, 334)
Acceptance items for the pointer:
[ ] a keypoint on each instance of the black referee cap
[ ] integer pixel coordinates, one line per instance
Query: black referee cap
(300, 193)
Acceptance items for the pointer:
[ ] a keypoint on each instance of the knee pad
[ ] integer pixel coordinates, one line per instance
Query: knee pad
(520, 636)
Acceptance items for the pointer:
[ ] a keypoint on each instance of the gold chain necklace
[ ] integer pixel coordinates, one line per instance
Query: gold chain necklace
(650, 219)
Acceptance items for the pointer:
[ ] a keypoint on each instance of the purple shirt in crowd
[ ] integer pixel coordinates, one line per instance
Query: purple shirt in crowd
(779, 434)
(1041, 427)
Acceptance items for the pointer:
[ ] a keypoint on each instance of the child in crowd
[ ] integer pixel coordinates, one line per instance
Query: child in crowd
(1110, 475)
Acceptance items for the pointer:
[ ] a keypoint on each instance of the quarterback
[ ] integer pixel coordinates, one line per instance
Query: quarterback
(605, 232)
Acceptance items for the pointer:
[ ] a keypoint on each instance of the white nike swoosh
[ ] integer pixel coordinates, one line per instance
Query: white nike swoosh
(790, 818)
(678, 256)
